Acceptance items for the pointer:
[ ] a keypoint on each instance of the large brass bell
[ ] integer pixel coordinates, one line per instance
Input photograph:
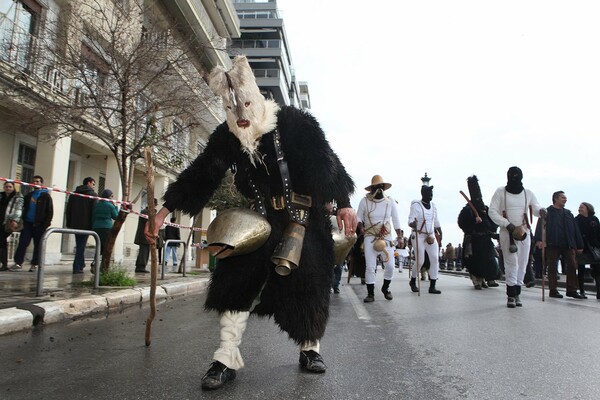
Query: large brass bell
(286, 256)
(237, 231)
(341, 243)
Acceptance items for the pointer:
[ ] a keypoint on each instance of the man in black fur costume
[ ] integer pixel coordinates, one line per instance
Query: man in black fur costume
(479, 254)
(246, 143)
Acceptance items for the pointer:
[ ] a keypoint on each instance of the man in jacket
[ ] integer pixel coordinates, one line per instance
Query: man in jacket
(79, 216)
(37, 215)
(144, 247)
(562, 239)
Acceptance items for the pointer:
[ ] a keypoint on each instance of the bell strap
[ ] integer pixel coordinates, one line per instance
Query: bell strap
(297, 205)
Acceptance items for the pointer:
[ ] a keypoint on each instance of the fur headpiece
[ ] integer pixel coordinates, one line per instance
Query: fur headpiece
(249, 114)
(475, 193)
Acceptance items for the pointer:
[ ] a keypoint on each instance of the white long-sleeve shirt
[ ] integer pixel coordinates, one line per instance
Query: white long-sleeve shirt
(377, 213)
(515, 205)
(420, 213)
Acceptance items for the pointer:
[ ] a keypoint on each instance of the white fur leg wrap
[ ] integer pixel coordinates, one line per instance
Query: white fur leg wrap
(316, 346)
(233, 325)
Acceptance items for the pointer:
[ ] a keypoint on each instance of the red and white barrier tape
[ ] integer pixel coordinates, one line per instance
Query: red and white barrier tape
(124, 208)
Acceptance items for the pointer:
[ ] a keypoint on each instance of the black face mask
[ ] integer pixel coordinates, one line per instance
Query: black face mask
(514, 182)
(377, 193)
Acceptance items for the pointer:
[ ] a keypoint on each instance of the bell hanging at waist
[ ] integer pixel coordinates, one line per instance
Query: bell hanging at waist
(286, 256)
(237, 231)
(342, 244)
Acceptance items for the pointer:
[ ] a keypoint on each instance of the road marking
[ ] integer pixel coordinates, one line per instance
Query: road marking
(359, 308)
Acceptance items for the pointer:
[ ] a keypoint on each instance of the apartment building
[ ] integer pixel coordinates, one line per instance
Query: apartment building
(37, 86)
(264, 42)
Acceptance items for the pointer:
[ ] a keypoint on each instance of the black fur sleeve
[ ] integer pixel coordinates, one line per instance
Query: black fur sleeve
(314, 166)
(197, 183)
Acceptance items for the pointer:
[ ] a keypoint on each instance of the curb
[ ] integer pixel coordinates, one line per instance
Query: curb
(18, 319)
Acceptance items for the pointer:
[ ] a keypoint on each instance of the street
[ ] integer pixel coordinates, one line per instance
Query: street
(462, 344)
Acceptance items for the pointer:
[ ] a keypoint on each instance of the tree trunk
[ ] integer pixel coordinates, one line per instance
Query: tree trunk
(110, 241)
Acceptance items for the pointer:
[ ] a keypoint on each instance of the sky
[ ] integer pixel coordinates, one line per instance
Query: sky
(455, 88)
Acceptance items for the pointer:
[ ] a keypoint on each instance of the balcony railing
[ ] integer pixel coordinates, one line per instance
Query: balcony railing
(256, 44)
(266, 73)
(21, 51)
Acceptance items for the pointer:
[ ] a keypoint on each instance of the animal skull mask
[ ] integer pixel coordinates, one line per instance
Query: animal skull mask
(249, 114)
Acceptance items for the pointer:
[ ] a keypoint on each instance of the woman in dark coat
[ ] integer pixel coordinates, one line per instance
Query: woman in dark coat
(589, 226)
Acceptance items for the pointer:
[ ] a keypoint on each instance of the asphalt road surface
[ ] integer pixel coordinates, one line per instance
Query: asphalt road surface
(462, 344)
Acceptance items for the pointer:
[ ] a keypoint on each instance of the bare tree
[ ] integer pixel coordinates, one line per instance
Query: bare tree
(127, 76)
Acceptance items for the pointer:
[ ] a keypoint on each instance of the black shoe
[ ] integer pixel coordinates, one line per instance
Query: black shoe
(388, 295)
(574, 295)
(530, 284)
(4, 268)
(312, 361)
(492, 284)
(433, 290)
(556, 294)
(518, 301)
(77, 272)
(369, 299)
(413, 286)
(142, 271)
(582, 294)
(336, 290)
(217, 375)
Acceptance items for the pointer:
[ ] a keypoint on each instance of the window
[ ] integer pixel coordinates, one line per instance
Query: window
(19, 22)
(94, 75)
(25, 166)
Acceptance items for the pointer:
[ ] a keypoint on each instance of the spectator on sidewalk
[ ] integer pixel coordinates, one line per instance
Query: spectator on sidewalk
(589, 226)
(562, 239)
(450, 256)
(144, 247)
(172, 233)
(103, 215)
(79, 216)
(38, 211)
(11, 208)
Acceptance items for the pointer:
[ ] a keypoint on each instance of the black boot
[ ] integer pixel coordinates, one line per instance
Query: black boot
(217, 375)
(432, 288)
(370, 293)
(385, 289)
(413, 285)
(511, 293)
(517, 296)
(312, 361)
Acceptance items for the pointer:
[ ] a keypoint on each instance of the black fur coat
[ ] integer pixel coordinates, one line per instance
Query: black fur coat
(298, 302)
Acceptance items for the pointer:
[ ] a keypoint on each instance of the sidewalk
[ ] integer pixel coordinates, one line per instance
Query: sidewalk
(21, 309)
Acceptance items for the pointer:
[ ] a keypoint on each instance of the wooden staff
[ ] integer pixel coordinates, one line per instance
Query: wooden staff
(153, 252)
(543, 258)
(470, 204)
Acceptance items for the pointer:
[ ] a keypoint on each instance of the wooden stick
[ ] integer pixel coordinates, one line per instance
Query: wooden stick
(153, 252)
(543, 258)
(470, 204)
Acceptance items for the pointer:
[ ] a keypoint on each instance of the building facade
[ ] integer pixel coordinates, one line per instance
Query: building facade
(264, 42)
(38, 85)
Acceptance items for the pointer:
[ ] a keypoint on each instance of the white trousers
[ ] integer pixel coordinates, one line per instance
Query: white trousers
(432, 251)
(371, 260)
(515, 264)
(233, 325)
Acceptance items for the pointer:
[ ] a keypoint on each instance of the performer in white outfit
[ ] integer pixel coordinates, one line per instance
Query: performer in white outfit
(509, 209)
(375, 212)
(423, 218)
